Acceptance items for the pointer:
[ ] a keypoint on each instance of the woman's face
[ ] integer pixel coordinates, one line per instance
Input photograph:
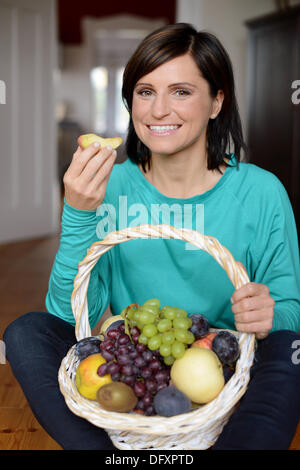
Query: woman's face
(171, 107)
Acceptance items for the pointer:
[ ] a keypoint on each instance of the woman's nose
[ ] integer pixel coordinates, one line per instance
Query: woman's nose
(160, 106)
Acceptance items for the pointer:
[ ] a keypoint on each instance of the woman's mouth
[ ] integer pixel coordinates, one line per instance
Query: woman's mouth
(163, 130)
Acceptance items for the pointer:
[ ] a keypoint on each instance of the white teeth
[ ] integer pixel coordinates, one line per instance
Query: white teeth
(163, 128)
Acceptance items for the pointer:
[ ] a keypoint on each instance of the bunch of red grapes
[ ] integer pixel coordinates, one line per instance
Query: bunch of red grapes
(134, 364)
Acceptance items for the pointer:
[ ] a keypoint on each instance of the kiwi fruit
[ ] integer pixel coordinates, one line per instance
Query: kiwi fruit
(117, 396)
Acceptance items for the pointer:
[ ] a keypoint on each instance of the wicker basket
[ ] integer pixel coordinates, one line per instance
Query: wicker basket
(199, 428)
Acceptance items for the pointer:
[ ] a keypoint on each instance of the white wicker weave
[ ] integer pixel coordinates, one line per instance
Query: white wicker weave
(195, 430)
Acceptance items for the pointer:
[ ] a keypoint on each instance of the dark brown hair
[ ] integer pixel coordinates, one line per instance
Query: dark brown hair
(215, 66)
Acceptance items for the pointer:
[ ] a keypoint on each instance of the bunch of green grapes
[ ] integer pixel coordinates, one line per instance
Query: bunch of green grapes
(164, 329)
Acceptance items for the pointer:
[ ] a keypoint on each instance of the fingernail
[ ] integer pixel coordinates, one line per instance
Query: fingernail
(231, 300)
(109, 147)
(96, 144)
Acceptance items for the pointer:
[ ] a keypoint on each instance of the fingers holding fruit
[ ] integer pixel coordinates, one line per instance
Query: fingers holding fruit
(86, 178)
(253, 308)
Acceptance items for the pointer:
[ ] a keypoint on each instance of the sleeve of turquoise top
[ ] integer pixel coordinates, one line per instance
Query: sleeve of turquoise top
(277, 257)
(78, 232)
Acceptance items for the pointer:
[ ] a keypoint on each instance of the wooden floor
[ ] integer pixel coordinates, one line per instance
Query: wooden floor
(25, 269)
(24, 272)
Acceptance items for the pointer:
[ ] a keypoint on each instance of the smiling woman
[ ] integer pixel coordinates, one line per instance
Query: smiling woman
(166, 106)
(179, 91)
(176, 70)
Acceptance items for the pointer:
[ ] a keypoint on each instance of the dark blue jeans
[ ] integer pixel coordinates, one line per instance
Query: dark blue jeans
(266, 418)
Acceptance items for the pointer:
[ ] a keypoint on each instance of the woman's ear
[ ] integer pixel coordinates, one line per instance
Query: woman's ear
(217, 104)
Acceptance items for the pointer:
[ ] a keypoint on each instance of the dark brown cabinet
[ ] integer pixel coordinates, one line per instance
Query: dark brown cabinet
(274, 115)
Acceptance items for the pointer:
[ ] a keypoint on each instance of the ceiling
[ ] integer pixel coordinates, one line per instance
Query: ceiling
(70, 13)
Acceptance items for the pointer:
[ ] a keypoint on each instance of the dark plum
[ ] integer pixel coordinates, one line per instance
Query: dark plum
(170, 401)
(226, 346)
(200, 326)
(87, 346)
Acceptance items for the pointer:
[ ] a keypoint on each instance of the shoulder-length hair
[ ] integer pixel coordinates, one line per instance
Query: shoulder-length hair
(215, 66)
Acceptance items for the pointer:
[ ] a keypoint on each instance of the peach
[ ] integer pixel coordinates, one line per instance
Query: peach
(88, 381)
(205, 342)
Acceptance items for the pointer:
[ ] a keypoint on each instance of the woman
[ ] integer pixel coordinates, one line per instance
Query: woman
(179, 90)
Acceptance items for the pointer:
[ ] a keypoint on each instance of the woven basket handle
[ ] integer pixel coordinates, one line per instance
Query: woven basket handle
(235, 270)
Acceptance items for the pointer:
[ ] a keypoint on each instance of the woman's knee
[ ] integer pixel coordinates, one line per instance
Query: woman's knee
(27, 334)
(19, 328)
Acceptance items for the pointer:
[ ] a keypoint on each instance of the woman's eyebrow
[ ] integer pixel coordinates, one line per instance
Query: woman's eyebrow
(183, 84)
(142, 83)
(170, 86)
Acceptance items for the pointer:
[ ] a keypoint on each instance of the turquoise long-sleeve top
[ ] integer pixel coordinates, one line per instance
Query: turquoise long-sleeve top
(248, 211)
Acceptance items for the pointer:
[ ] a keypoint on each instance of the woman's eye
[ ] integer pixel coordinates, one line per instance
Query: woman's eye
(145, 93)
(182, 92)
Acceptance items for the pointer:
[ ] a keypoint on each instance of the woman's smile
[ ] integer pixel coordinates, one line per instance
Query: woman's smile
(163, 130)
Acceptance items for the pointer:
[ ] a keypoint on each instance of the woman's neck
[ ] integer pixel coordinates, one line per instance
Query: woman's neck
(181, 178)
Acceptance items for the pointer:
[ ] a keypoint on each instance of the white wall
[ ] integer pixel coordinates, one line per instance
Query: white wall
(225, 19)
(73, 85)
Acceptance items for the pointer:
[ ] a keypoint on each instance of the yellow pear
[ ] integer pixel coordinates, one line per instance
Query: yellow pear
(87, 139)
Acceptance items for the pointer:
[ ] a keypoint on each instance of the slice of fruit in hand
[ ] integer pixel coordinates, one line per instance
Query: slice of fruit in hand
(88, 139)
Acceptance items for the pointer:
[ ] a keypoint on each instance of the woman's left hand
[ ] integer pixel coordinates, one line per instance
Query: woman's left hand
(253, 309)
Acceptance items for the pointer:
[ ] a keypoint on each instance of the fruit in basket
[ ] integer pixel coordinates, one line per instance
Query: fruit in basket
(170, 402)
(200, 326)
(87, 346)
(88, 381)
(205, 342)
(117, 396)
(88, 139)
(111, 323)
(228, 371)
(132, 363)
(226, 346)
(165, 330)
(198, 374)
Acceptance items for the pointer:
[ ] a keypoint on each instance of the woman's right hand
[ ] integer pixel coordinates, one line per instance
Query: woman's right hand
(86, 178)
